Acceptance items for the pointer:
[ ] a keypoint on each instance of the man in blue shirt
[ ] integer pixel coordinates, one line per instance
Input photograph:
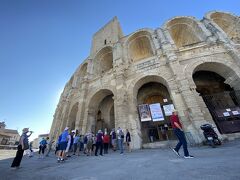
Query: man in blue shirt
(63, 145)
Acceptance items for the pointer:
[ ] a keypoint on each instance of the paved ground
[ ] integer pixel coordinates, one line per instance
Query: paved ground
(221, 163)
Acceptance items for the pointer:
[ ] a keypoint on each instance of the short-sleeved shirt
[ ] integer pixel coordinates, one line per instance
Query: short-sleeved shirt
(64, 136)
(174, 118)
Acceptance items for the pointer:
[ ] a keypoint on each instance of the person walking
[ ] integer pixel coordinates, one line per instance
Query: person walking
(23, 145)
(128, 140)
(120, 135)
(178, 131)
(42, 147)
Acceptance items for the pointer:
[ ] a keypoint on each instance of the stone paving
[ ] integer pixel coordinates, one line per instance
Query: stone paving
(221, 163)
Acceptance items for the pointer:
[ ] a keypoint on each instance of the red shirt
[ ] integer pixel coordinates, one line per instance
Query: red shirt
(174, 118)
(106, 139)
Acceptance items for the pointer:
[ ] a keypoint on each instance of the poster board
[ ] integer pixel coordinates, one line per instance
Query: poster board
(168, 109)
(156, 112)
(144, 112)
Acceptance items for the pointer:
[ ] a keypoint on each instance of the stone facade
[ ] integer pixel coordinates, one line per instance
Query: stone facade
(106, 88)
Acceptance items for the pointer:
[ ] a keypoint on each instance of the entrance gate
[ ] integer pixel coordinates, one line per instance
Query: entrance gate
(225, 110)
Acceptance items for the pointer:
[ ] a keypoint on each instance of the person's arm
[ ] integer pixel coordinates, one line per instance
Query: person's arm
(178, 126)
(30, 134)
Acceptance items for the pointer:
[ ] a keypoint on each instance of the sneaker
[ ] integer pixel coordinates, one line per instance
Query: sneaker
(62, 160)
(177, 153)
(58, 160)
(188, 157)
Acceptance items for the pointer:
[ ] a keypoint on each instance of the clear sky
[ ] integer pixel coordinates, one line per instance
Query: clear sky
(42, 42)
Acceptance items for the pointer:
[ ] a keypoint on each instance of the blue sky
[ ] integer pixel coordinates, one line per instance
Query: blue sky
(42, 42)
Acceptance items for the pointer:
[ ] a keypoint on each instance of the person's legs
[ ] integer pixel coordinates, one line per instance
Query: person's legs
(179, 144)
(184, 143)
(101, 148)
(105, 148)
(96, 150)
(121, 145)
(17, 160)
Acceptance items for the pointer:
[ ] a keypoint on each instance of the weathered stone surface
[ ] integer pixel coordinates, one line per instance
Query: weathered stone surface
(118, 66)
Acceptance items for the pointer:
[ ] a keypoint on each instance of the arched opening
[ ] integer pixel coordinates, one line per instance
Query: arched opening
(101, 110)
(154, 104)
(229, 24)
(103, 61)
(222, 101)
(140, 46)
(73, 117)
(83, 70)
(184, 32)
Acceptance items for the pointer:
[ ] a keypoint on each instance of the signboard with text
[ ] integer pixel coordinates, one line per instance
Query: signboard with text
(144, 112)
(156, 112)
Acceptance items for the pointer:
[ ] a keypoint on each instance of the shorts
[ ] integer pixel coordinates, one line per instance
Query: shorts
(63, 146)
(113, 142)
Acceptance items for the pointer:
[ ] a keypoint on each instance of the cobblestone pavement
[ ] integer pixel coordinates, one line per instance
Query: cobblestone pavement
(221, 163)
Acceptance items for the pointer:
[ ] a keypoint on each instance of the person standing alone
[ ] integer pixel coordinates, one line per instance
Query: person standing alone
(23, 145)
(178, 131)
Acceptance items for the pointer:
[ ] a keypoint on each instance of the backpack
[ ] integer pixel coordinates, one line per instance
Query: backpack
(121, 134)
(25, 143)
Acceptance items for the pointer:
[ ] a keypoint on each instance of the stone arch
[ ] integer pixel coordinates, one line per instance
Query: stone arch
(83, 70)
(228, 22)
(185, 31)
(224, 68)
(99, 110)
(140, 45)
(72, 118)
(103, 61)
(137, 84)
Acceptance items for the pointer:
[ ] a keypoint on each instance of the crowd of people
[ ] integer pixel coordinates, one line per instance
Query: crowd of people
(72, 143)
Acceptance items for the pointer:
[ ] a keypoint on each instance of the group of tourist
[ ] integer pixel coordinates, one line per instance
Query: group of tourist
(90, 143)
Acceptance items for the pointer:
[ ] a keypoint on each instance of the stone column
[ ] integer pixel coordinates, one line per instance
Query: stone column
(193, 111)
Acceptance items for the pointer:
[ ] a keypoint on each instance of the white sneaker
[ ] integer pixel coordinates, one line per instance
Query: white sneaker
(188, 157)
(177, 153)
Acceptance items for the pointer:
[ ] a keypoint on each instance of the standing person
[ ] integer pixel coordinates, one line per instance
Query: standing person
(113, 139)
(42, 147)
(89, 144)
(128, 140)
(120, 135)
(63, 145)
(76, 145)
(178, 131)
(94, 142)
(30, 150)
(99, 143)
(106, 140)
(49, 145)
(69, 144)
(85, 139)
(151, 135)
(23, 145)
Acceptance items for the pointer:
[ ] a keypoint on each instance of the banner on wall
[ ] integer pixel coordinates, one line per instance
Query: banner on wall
(168, 109)
(156, 112)
(144, 112)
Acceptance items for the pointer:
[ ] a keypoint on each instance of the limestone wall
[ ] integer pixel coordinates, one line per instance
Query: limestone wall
(168, 55)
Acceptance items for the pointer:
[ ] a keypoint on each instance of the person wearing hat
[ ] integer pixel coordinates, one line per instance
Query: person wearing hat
(23, 145)
(63, 144)
(178, 131)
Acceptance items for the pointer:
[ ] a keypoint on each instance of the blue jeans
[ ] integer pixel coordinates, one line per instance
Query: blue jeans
(182, 141)
(120, 145)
